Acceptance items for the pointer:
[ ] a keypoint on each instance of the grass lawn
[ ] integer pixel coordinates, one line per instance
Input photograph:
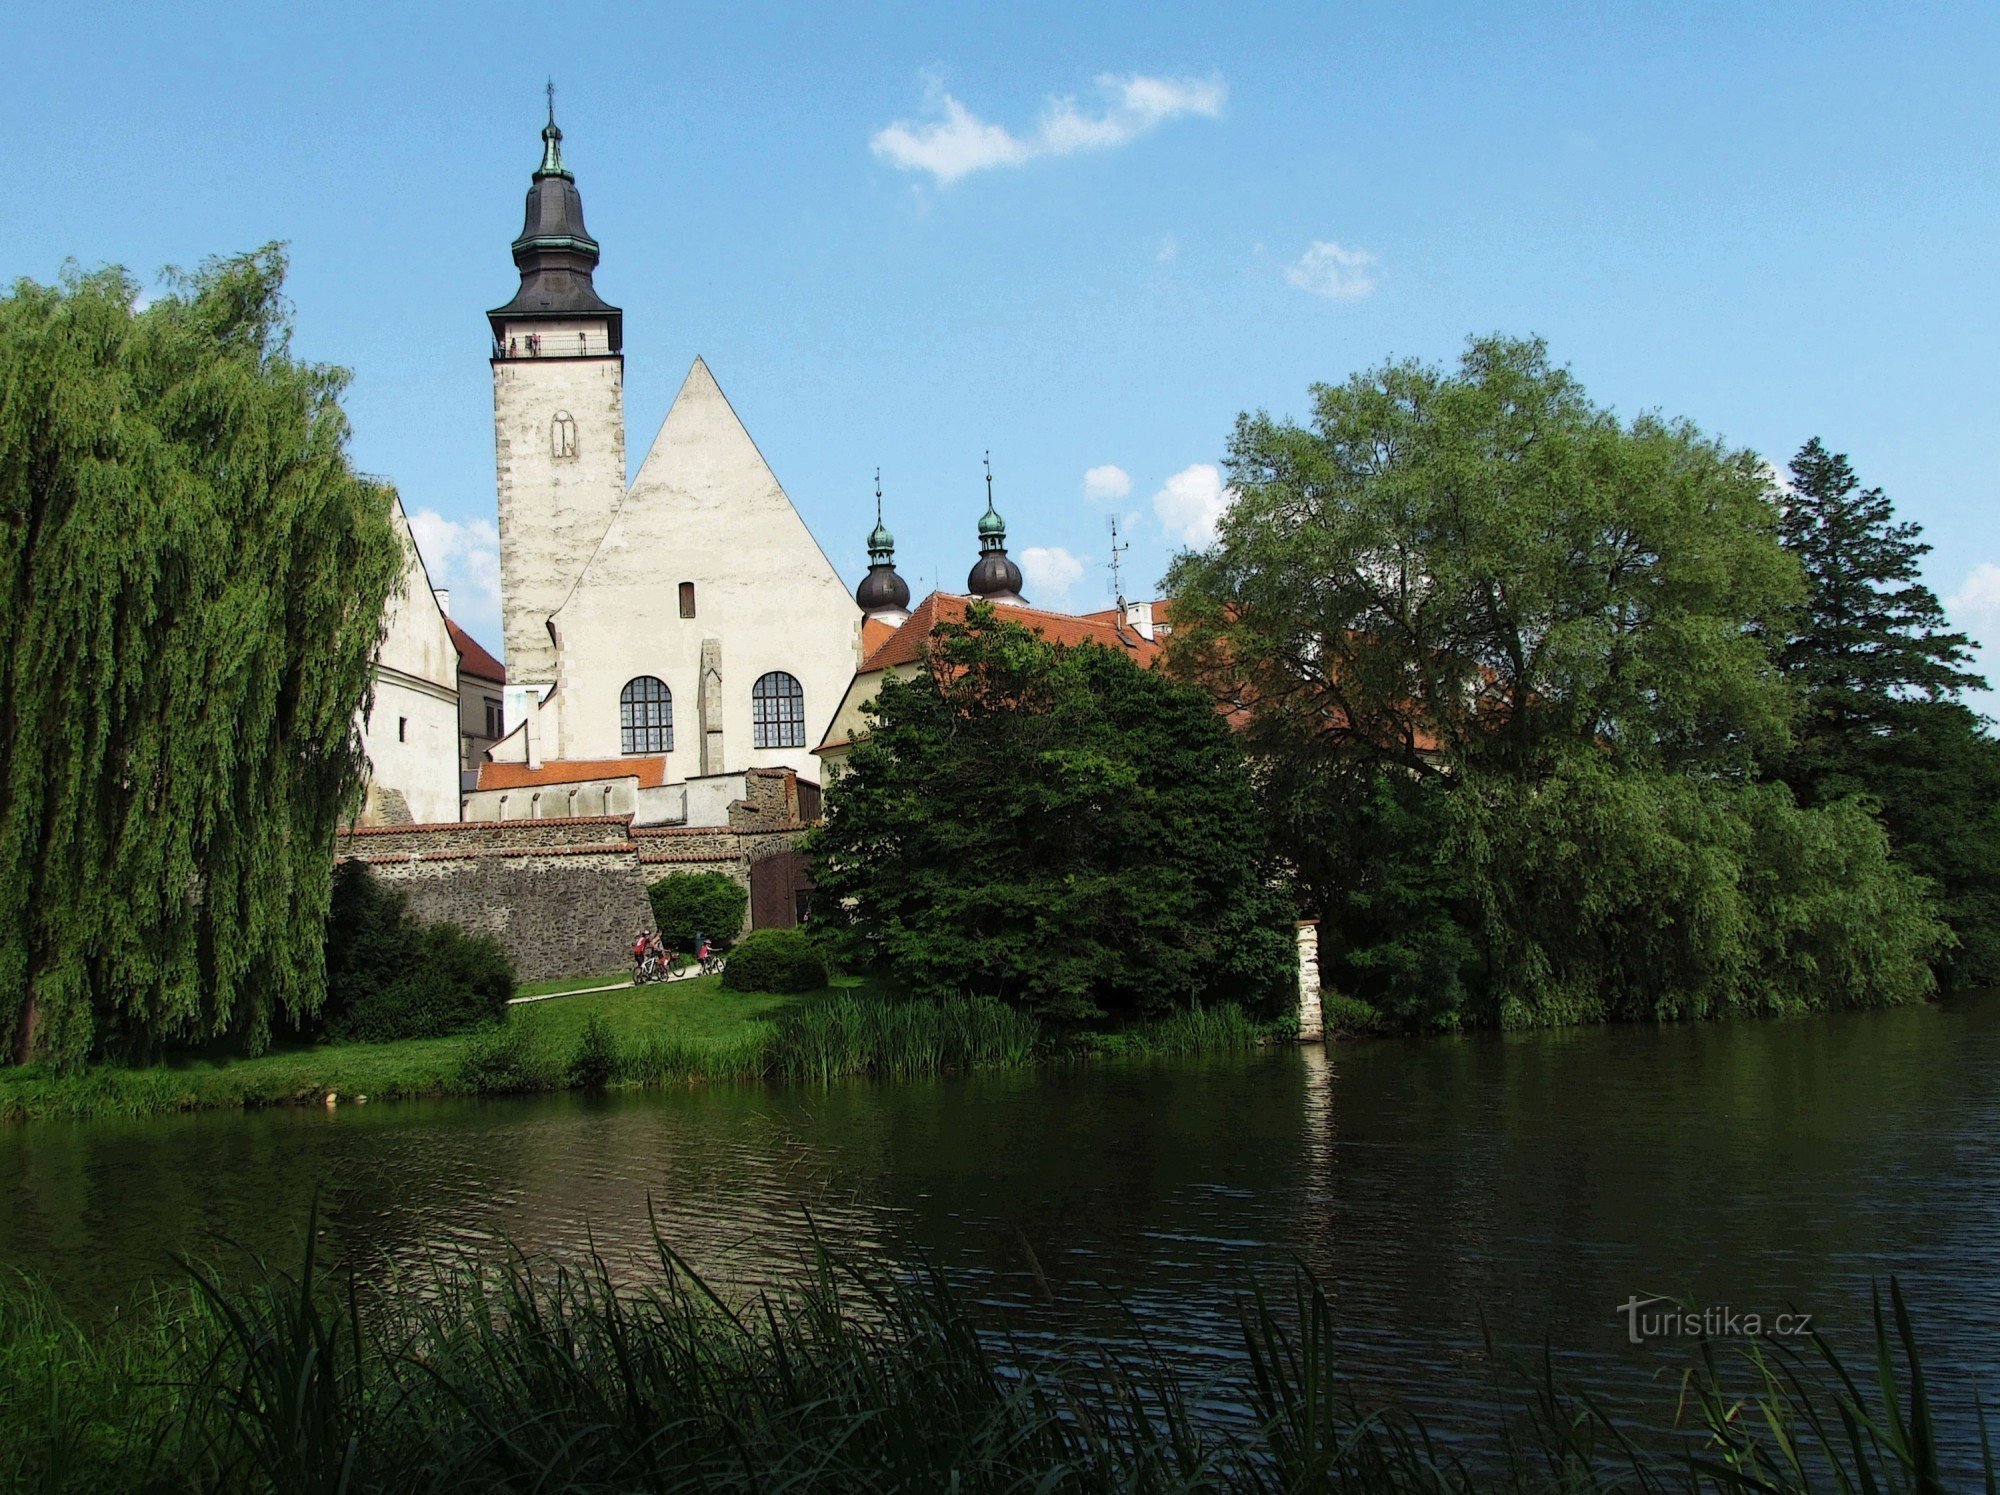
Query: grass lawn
(683, 1030)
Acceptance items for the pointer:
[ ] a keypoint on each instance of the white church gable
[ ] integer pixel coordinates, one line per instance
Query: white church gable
(705, 529)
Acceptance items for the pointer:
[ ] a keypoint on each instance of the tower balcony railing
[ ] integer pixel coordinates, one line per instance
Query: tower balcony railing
(555, 345)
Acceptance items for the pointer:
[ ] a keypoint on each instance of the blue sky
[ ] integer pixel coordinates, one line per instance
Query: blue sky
(1082, 237)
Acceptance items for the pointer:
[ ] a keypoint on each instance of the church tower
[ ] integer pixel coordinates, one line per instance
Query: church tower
(994, 578)
(558, 423)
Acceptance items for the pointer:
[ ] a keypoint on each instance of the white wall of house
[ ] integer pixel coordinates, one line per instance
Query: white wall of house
(410, 729)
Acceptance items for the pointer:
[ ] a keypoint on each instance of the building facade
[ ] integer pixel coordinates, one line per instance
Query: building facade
(680, 628)
(409, 728)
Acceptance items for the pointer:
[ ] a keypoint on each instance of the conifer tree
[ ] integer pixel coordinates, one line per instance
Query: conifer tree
(1871, 635)
(195, 579)
(1880, 670)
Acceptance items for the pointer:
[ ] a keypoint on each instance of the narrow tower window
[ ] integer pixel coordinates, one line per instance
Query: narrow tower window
(562, 435)
(645, 716)
(778, 711)
(687, 599)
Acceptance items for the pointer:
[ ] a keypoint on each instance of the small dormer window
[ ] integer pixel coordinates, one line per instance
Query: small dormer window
(562, 435)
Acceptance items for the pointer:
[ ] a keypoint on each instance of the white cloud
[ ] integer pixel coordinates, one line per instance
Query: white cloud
(463, 555)
(1333, 271)
(1108, 481)
(1169, 250)
(960, 143)
(1050, 571)
(1192, 503)
(1975, 606)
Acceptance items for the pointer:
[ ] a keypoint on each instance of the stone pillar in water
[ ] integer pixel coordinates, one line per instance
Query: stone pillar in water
(1312, 1020)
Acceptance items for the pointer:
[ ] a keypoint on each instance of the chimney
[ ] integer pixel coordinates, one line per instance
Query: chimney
(443, 595)
(1139, 618)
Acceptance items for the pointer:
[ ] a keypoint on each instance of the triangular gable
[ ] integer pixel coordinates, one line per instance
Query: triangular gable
(704, 483)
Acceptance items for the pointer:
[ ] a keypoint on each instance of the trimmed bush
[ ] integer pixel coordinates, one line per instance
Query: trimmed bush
(390, 976)
(775, 960)
(691, 903)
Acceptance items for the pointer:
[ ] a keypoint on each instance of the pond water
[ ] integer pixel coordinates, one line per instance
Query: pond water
(1529, 1183)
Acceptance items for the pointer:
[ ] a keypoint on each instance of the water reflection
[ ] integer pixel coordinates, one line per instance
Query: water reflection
(1530, 1183)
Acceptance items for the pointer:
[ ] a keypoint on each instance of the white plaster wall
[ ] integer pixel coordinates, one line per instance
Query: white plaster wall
(709, 798)
(415, 641)
(416, 684)
(420, 763)
(555, 802)
(552, 510)
(704, 508)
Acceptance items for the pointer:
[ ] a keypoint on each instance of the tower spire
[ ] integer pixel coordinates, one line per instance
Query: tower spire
(552, 161)
(557, 258)
(882, 593)
(994, 577)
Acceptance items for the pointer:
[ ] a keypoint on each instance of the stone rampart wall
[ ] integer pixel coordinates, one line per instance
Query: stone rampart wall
(558, 911)
(483, 835)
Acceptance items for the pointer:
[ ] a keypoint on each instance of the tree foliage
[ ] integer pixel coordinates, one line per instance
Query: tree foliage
(195, 577)
(1055, 827)
(691, 904)
(1504, 662)
(390, 976)
(1879, 669)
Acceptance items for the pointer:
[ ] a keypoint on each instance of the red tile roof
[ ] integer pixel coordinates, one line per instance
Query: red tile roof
(907, 643)
(651, 772)
(874, 633)
(473, 659)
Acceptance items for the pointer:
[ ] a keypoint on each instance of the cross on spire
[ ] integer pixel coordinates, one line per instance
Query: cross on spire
(552, 101)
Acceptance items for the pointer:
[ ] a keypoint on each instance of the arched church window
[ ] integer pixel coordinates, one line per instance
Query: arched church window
(562, 435)
(645, 716)
(778, 711)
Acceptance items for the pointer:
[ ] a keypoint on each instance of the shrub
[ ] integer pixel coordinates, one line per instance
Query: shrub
(508, 1062)
(390, 976)
(1349, 1015)
(777, 960)
(691, 903)
(596, 1061)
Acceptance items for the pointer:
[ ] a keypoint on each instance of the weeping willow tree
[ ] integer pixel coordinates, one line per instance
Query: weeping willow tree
(195, 579)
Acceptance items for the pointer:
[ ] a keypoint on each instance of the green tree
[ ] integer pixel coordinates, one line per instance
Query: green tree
(1503, 662)
(195, 577)
(687, 904)
(1880, 669)
(1055, 827)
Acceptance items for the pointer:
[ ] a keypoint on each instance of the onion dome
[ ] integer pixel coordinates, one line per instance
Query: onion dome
(555, 253)
(993, 577)
(882, 590)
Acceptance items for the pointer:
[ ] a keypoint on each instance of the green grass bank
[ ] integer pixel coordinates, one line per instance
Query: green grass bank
(681, 1032)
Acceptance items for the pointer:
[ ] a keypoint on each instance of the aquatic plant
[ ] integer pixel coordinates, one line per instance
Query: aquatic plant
(900, 1039)
(569, 1377)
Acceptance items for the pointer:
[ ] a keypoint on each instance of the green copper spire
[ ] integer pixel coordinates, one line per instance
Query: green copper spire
(881, 544)
(992, 528)
(552, 161)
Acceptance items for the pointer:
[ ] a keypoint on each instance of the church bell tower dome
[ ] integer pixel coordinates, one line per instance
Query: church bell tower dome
(994, 577)
(882, 593)
(555, 253)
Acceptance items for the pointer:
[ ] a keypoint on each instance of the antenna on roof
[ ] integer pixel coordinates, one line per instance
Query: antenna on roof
(1117, 550)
